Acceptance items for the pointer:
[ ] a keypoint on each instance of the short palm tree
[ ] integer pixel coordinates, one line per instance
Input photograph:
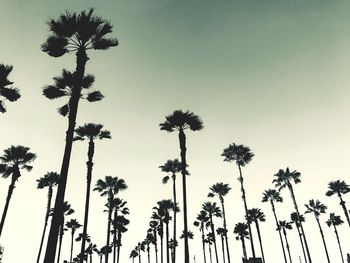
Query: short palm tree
(73, 225)
(241, 155)
(13, 160)
(335, 221)
(49, 180)
(340, 188)
(255, 215)
(158, 224)
(7, 92)
(153, 228)
(133, 255)
(286, 225)
(294, 219)
(109, 187)
(73, 33)
(317, 208)
(202, 221)
(284, 178)
(241, 233)
(221, 190)
(209, 240)
(181, 121)
(90, 132)
(273, 196)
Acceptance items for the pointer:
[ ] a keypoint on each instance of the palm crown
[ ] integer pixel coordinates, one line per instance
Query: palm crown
(73, 224)
(201, 218)
(171, 166)
(271, 195)
(241, 231)
(240, 154)
(338, 187)
(285, 177)
(315, 207)
(50, 179)
(295, 219)
(6, 91)
(334, 220)
(255, 214)
(285, 225)
(219, 189)
(180, 120)
(212, 209)
(110, 185)
(91, 131)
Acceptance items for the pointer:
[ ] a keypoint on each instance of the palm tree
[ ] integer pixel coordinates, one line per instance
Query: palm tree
(73, 225)
(284, 178)
(109, 187)
(220, 231)
(154, 226)
(133, 255)
(340, 188)
(49, 180)
(294, 219)
(148, 241)
(209, 240)
(7, 92)
(90, 132)
(221, 190)
(14, 159)
(335, 221)
(241, 155)
(140, 247)
(317, 208)
(241, 233)
(180, 121)
(202, 220)
(212, 210)
(286, 225)
(173, 167)
(255, 215)
(158, 224)
(73, 33)
(67, 210)
(272, 196)
(119, 224)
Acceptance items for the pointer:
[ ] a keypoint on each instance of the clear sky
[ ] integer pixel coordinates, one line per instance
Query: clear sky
(272, 75)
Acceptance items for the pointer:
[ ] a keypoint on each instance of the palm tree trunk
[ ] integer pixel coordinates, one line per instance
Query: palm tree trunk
(114, 245)
(340, 249)
(182, 140)
(246, 210)
(287, 245)
(203, 243)
(139, 256)
(301, 241)
(155, 244)
(167, 242)
(60, 244)
(244, 249)
(324, 242)
(71, 247)
(119, 242)
(279, 230)
(225, 227)
(210, 255)
(174, 230)
(300, 223)
(148, 255)
(260, 242)
(81, 59)
(110, 198)
(8, 198)
(214, 239)
(342, 203)
(89, 165)
(161, 243)
(223, 248)
(49, 198)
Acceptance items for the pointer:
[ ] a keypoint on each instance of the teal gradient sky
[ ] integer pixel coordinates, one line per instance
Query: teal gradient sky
(273, 75)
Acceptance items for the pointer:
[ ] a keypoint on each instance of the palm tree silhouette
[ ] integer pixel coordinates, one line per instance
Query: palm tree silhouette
(133, 255)
(14, 159)
(335, 221)
(272, 196)
(221, 190)
(154, 226)
(180, 121)
(49, 180)
(255, 215)
(172, 167)
(209, 240)
(317, 208)
(73, 225)
(7, 92)
(70, 33)
(284, 178)
(212, 210)
(286, 225)
(90, 132)
(220, 231)
(241, 155)
(119, 225)
(158, 223)
(294, 219)
(202, 220)
(339, 188)
(148, 240)
(109, 187)
(241, 233)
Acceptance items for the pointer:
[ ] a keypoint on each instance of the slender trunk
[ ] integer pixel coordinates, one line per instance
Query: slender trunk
(155, 244)
(60, 243)
(90, 258)
(174, 230)
(244, 249)
(223, 248)
(300, 223)
(301, 241)
(340, 249)
(119, 243)
(81, 59)
(203, 242)
(114, 245)
(225, 227)
(324, 242)
(139, 256)
(167, 242)
(210, 255)
(89, 165)
(287, 245)
(246, 210)
(110, 198)
(148, 255)
(71, 247)
(101, 258)
(260, 242)
(161, 242)
(342, 203)
(214, 239)
(279, 230)
(182, 140)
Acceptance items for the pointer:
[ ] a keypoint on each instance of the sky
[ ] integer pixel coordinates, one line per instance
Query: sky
(272, 75)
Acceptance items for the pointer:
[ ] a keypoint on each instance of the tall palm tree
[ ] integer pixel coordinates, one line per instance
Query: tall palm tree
(241, 233)
(286, 225)
(73, 225)
(241, 155)
(220, 231)
(90, 132)
(73, 33)
(221, 190)
(173, 167)
(339, 188)
(272, 196)
(49, 180)
(181, 121)
(335, 221)
(7, 92)
(317, 208)
(255, 215)
(158, 224)
(213, 210)
(165, 206)
(284, 178)
(294, 219)
(153, 228)
(202, 220)
(14, 159)
(109, 187)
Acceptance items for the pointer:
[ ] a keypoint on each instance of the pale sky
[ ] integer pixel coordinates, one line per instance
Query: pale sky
(272, 75)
